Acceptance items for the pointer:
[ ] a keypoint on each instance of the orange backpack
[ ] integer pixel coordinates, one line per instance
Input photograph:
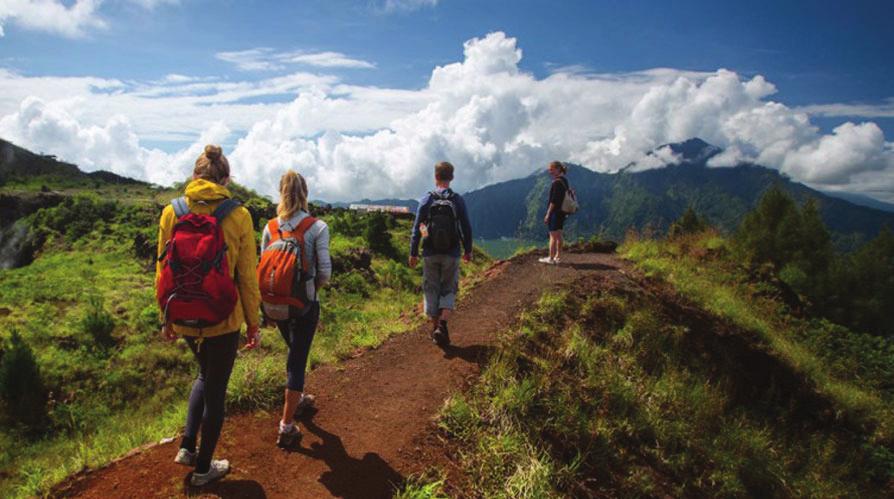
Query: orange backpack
(283, 273)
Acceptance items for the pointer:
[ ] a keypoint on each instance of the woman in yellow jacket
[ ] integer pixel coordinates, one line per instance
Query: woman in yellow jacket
(214, 347)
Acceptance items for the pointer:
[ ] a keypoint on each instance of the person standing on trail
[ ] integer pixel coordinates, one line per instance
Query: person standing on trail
(556, 211)
(207, 288)
(295, 264)
(442, 225)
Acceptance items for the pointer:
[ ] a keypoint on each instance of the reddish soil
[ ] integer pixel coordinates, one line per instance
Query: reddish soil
(374, 412)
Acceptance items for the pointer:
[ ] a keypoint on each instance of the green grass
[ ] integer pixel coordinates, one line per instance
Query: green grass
(719, 286)
(616, 393)
(84, 284)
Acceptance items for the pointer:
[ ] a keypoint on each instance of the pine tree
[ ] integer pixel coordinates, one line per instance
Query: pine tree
(688, 223)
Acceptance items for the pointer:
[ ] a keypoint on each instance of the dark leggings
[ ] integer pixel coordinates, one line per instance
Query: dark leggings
(209, 391)
(299, 334)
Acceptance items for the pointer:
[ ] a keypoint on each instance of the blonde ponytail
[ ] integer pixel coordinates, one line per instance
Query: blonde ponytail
(292, 195)
(212, 165)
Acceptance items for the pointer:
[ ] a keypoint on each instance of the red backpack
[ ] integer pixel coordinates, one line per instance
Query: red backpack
(284, 272)
(195, 288)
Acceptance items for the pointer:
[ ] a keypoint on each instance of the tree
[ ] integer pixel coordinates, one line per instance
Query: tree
(688, 223)
(21, 386)
(769, 232)
(377, 235)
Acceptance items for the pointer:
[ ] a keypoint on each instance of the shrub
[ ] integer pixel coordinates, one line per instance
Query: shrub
(395, 275)
(346, 223)
(688, 223)
(76, 216)
(21, 386)
(353, 283)
(98, 322)
(377, 236)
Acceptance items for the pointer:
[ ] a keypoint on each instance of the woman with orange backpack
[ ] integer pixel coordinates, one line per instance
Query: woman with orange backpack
(205, 240)
(295, 264)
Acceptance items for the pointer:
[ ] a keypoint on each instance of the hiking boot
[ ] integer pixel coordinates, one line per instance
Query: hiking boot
(219, 469)
(446, 337)
(289, 438)
(185, 457)
(304, 403)
(439, 336)
(547, 260)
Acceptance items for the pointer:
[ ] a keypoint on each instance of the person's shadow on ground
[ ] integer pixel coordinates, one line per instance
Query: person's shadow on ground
(348, 476)
(473, 354)
(236, 489)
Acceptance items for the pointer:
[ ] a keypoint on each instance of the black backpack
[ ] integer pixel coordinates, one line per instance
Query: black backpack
(443, 224)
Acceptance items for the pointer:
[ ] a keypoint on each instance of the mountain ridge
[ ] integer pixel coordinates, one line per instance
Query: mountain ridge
(613, 203)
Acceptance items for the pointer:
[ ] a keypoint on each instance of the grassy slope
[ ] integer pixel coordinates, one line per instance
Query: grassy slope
(97, 393)
(711, 390)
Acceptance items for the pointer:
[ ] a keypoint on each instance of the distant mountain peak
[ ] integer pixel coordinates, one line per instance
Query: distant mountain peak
(694, 150)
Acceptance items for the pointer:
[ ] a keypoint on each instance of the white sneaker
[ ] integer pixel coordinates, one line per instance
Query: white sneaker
(219, 469)
(288, 438)
(304, 403)
(547, 260)
(557, 261)
(186, 458)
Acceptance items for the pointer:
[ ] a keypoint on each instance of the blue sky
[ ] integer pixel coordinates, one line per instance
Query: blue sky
(120, 66)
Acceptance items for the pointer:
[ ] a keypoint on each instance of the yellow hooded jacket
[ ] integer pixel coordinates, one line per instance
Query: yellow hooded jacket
(203, 196)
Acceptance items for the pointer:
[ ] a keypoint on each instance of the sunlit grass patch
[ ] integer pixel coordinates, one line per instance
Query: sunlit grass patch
(613, 395)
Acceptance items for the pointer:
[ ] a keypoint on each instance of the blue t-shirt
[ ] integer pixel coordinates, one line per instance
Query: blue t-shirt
(465, 235)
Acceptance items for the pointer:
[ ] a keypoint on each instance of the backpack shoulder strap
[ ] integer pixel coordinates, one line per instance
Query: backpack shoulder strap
(225, 208)
(181, 207)
(273, 229)
(304, 226)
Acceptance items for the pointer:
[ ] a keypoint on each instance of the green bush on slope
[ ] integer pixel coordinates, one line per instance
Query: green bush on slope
(21, 386)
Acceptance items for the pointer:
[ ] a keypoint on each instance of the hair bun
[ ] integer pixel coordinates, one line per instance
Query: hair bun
(213, 152)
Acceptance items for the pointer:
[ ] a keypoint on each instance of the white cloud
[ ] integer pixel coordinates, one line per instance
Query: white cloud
(54, 17)
(491, 119)
(266, 59)
(328, 60)
(258, 59)
(67, 19)
(407, 5)
(884, 110)
(112, 146)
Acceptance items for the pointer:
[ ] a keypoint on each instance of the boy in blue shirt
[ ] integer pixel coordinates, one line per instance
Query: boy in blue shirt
(442, 225)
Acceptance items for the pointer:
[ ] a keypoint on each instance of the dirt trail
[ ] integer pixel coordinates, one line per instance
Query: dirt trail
(372, 409)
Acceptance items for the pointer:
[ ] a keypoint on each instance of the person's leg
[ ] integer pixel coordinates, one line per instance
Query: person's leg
(302, 335)
(553, 245)
(559, 243)
(220, 352)
(196, 408)
(449, 287)
(431, 277)
(289, 399)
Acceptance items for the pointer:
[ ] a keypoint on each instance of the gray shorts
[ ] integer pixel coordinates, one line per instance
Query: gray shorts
(440, 283)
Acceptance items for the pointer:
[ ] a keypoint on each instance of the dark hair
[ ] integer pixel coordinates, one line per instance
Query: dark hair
(444, 171)
(560, 166)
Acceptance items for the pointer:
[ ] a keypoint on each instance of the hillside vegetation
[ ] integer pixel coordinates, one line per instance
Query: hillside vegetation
(717, 370)
(80, 356)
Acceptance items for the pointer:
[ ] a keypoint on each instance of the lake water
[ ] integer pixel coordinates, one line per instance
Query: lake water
(505, 247)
